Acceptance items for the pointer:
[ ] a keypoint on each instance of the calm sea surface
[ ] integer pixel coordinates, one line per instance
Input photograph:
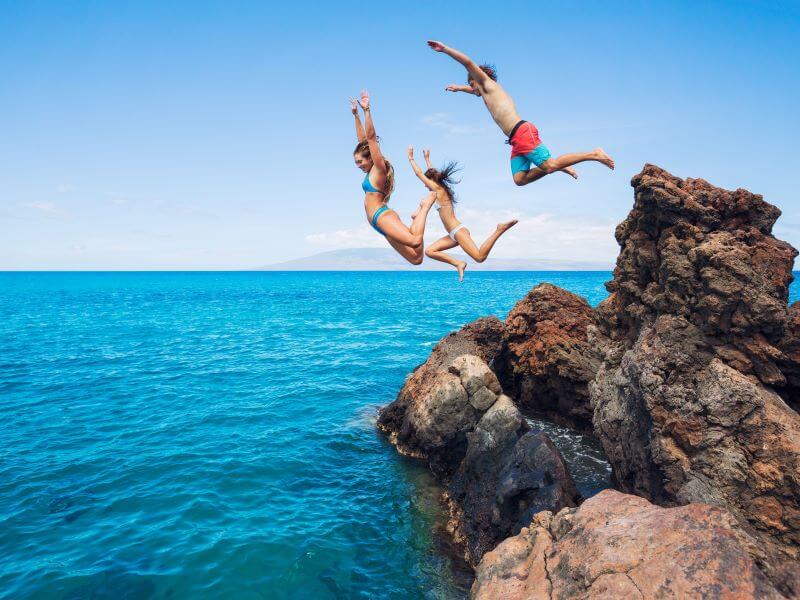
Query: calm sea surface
(211, 435)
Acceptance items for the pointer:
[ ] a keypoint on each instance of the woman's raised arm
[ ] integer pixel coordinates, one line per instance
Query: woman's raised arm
(360, 134)
(429, 183)
(372, 138)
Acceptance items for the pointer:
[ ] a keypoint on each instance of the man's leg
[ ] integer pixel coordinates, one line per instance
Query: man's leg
(567, 160)
(524, 172)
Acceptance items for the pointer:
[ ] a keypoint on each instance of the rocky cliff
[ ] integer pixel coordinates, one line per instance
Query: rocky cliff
(684, 401)
(689, 376)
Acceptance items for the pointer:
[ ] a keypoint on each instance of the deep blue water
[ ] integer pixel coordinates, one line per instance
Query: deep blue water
(185, 435)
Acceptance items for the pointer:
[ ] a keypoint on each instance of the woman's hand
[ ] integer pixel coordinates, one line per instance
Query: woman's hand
(411, 153)
(353, 106)
(438, 46)
(426, 154)
(364, 101)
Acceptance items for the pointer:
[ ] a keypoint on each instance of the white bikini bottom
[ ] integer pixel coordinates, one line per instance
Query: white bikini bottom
(454, 231)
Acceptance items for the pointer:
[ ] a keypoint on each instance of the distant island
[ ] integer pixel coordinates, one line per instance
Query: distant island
(386, 259)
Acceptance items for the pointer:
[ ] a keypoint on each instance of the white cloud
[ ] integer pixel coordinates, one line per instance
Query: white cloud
(46, 207)
(360, 237)
(63, 188)
(442, 120)
(541, 235)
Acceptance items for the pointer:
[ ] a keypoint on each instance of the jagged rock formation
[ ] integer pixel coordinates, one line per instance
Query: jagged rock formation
(683, 401)
(452, 413)
(690, 374)
(790, 360)
(506, 477)
(436, 407)
(621, 546)
(548, 362)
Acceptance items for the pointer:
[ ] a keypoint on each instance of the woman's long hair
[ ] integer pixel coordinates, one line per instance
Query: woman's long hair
(362, 148)
(444, 177)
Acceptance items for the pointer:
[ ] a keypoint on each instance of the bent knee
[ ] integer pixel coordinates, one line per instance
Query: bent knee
(416, 260)
(429, 252)
(519, 178)
(480, 259)
(548, 166)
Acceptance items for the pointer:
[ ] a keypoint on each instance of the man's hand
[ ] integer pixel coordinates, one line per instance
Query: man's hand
(364, 101)
(453, 88)
(353, 106)
(411, 153)
(438, 46)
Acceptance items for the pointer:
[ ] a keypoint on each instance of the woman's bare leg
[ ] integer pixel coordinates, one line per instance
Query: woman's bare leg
(412, 255)
(563, 163)
(480, 254)
(394, 229)
(421, 215)
(435, 251)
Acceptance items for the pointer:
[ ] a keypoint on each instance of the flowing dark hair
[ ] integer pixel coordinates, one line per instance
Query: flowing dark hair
(362, 148)
(444, 177)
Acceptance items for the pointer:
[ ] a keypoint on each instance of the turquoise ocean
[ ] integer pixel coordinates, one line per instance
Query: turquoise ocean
(211, 435)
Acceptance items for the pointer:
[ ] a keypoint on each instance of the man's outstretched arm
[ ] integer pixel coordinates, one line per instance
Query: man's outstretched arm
(474, 70)
(459, 88)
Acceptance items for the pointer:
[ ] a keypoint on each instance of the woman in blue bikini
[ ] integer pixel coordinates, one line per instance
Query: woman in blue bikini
(378, 186)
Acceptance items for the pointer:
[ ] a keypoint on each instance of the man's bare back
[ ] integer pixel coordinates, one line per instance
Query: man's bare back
(500, 105)
(530, 158)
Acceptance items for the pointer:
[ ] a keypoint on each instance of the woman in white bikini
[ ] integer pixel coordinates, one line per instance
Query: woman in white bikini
(440, 181)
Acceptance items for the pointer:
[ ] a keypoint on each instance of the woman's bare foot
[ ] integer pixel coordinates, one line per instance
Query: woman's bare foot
(461, 267)
(503, 227)
(570, 171)
(601, 156)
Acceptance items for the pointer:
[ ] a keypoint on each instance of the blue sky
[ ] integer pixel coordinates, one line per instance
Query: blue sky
(218, 135)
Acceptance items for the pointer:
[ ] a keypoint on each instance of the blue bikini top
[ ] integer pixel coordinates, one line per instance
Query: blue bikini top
(367, 186)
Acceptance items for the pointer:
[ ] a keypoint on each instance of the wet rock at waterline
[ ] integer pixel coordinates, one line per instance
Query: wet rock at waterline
(445, 397)
(452, 413)
(548, 362)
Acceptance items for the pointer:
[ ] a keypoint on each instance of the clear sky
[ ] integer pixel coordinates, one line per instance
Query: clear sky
(148, 135)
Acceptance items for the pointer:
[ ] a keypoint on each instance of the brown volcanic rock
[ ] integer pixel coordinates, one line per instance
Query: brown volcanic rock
(790, 361)
(707, 254)
(621, 546)
(548, 360)
(437, 406)
(689, 336)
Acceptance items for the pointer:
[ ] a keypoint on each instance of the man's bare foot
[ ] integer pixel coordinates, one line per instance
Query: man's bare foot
(570, 171)
(461, 267)
(601, 156)
(428, 200)
(503, 227)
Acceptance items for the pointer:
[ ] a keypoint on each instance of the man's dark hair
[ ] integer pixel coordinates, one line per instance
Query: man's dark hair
(489, 70)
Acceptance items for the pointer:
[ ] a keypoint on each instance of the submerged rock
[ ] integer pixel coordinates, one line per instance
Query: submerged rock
(683, 401)
(621, 546)
(548, 360)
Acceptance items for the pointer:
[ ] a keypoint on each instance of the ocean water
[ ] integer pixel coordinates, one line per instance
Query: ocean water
(211, 435)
